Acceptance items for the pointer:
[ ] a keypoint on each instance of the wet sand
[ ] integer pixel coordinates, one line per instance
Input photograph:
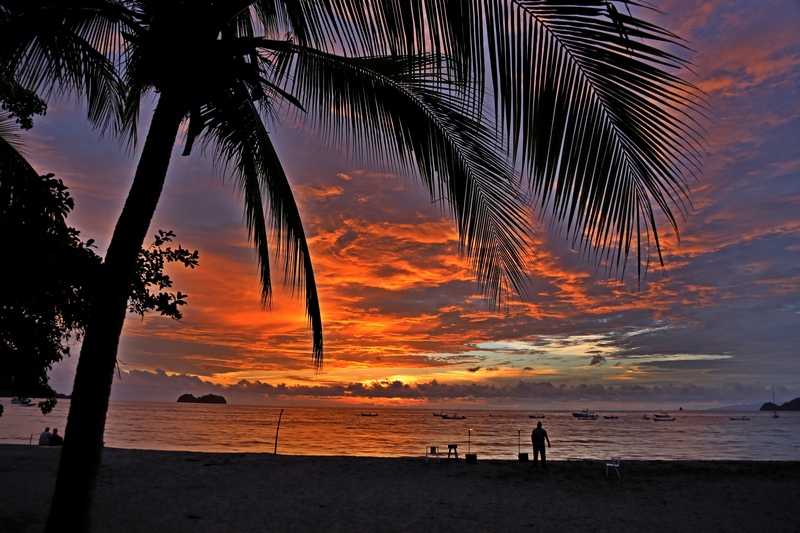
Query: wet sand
(195, 492)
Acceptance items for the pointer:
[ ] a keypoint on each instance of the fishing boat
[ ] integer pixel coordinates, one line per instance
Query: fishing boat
(663, 417)
(585, 415)
(536, 416)
(738, 418)
(369, 414)
(611, 416)
(438, 414)
(454, 417)
(24, 402)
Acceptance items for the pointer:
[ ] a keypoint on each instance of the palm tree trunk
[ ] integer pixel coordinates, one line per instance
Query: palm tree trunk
(81, 455)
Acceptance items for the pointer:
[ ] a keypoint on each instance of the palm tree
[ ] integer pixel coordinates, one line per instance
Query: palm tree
(582, 105)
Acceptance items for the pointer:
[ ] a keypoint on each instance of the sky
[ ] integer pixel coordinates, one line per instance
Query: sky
(403, 321)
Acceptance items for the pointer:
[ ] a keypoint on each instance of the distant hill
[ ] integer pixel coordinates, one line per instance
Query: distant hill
(208, 398)
(793, 405)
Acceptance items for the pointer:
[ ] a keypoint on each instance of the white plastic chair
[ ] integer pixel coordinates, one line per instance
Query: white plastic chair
(432, 451)
(615, 465)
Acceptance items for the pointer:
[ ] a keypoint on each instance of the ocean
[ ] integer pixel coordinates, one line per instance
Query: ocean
(401, 432)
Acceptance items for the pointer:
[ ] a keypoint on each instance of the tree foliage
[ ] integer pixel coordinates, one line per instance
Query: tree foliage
(45, 303)
(19, 103)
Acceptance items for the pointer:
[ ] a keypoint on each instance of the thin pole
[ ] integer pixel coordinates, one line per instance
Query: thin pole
(275, 452)
(519, 446)
(469, 441)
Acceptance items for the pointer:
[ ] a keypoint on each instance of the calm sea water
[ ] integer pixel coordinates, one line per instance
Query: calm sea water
(400, 432)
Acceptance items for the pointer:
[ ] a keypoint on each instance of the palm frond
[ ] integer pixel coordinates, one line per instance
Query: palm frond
(59, 48)
(401, 110)
(13, 165)
(587, 97)
(233, 126)
(606, 133)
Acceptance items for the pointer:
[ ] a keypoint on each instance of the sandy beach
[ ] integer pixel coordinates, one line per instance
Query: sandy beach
(184, 491)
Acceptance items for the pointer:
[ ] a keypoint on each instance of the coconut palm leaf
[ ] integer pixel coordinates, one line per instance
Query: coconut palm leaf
(585, 95)
(14, 168)
(604, 130)
(62, 48)
(403, 110)
(234, 128)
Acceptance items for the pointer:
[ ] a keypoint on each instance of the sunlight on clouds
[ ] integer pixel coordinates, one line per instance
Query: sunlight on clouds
(400, 306)
(319, 192)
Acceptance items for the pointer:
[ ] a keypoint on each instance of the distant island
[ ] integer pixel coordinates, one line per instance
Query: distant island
(793, 405)
(208, 398)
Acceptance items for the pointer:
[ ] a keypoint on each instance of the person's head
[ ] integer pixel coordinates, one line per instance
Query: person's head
(55, 432)
(47, 429)
(538, 424)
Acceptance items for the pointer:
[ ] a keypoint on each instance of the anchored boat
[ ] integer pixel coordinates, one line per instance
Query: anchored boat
(585, 415)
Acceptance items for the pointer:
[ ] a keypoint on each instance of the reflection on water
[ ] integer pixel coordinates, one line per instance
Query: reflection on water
(406, 432)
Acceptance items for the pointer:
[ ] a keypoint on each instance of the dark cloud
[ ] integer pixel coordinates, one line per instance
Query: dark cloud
(164, 387)
(597, 360)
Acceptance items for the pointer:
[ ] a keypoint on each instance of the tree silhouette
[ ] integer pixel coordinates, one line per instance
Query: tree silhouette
(582, 106)
(46, 301)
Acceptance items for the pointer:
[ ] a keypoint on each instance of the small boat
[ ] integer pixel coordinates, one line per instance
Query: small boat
(536, 416)
(438, 414)
(611, 416)
(585, 415)
(645, 417)
(454, 417)
(738, 418)
(369, 414)
(24, 402)
(663, 417)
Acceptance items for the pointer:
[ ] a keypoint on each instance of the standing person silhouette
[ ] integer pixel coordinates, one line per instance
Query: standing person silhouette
(538, 437)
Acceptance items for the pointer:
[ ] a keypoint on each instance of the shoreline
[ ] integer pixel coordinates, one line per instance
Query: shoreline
(146, 490)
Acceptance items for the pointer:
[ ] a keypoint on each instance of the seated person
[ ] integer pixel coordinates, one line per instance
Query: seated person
(56, 439)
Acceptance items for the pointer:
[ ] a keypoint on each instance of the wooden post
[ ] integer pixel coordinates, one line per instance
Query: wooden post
(275, 452)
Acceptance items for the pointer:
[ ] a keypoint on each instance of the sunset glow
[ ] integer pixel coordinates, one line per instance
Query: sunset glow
(403, 319)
